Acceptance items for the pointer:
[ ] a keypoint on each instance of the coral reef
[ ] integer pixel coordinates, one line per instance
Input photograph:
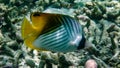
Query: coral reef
(100, 21)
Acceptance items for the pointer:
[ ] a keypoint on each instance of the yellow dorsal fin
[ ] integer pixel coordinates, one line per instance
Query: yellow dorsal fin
(44, 22)
(38, 21)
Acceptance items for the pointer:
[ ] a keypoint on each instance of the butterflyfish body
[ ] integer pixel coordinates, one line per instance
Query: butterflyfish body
(52, 32)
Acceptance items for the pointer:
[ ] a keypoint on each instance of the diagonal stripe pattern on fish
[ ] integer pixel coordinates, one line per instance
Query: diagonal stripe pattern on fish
(52, 32)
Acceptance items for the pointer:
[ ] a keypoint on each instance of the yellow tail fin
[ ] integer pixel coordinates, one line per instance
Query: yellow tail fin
(29, 34)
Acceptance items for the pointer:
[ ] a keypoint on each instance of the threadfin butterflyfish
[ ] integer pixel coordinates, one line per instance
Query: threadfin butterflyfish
(52, 32)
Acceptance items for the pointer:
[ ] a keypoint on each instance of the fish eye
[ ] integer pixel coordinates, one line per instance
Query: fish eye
(36, 14)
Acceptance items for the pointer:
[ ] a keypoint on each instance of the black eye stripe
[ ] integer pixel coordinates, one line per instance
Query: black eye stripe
(82, 43)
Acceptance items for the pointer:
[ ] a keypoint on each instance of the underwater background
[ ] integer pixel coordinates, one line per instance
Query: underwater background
(100, 20)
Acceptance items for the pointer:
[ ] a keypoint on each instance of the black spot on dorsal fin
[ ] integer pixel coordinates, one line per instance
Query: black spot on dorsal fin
(36, 14)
